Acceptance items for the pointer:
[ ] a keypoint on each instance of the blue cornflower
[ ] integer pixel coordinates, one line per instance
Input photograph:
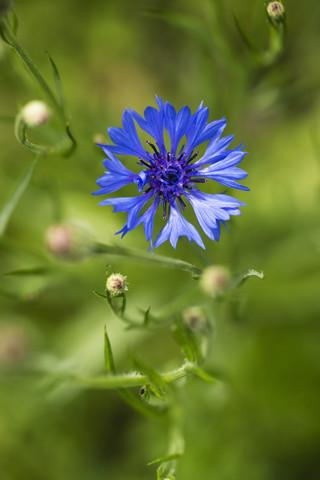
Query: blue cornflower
(170, 177)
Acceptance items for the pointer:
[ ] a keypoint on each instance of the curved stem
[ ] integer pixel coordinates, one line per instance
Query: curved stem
(63, 146)
(9, 38)
(139, 256)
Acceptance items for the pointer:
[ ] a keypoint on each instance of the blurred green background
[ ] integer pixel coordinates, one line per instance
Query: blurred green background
(116, 54)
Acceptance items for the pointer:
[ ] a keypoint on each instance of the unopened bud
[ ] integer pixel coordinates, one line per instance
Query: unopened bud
(99, 138)
(275, 11)
(195, 318)
(215, 280)
(35, 113)
(69, 241)
(116, 284)
(14, 346)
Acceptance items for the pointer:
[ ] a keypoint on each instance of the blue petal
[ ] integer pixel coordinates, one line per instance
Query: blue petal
(132, 205)
(225, 172)
(197, 124)
(211, 209)
(152, 124)
(213, 131)
(159, 102)
(117, 177)
(147, 218)
(177, 124)
(177, 226)
(216, 150)
(110, 183)
(126, 139)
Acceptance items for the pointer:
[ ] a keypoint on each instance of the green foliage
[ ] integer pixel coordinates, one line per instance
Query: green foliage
(242, 395)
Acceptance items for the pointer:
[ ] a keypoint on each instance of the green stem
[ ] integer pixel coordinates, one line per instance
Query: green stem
(130, 380)
(136, 380)
(9, 38)
(63, 146)
(138, 255)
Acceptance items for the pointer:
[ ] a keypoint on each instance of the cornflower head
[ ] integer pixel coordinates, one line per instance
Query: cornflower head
(170, 178)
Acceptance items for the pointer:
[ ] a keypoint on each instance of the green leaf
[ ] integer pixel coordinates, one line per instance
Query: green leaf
(187, 24)
(146, 317)
(188, 343)
(203, 375)
(13, 200)
(73, 145)
(108, 356)
(99, 295)
(166, 458)
(154, 377)
(117, 303)
(141, 407)
(242, 277)
(8, 36)
(245, 37)
(29, 271)
(57, 81)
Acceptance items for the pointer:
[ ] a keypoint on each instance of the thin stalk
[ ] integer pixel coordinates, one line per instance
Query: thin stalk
(8, 37)
(137, 255)
(130, 380)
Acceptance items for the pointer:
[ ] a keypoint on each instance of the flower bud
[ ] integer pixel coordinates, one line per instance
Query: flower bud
(275, 11)
(215, 280)
(195, 318)
(69, 241)
(14, 346)
(99, 138)
(35, 113)
(116, 284)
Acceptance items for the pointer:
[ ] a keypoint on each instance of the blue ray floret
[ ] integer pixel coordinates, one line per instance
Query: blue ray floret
(171, 176)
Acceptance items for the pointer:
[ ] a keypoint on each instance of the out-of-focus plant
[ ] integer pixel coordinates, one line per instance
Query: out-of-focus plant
(191, 328)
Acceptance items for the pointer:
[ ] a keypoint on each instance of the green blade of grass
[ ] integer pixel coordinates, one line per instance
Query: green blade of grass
(13, 200)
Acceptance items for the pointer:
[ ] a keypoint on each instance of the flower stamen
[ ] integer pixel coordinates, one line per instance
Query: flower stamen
(153, 148)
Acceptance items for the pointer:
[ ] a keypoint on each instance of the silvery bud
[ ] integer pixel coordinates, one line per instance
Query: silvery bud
(275, 12)
(116, 284)
(215, 280)
(195, 318)
(35, 113)
(69, 240)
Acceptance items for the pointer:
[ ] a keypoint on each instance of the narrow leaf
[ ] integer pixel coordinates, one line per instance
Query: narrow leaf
(141, 407)
(166, 458)
(108, 356)
(242, 277)
(203, 375)
(29, 271)
(57, 80)
(187, 342)
(13, 200)
(99, 295)
(153, 376)
(246, 39)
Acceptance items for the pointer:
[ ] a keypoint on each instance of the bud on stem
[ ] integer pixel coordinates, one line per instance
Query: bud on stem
(35, 113)
(275, 12)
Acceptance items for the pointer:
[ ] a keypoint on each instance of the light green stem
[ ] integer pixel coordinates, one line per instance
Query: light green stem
(63, 146)
(130, 380)
(137, 255)
(26, 59)
(136, 380)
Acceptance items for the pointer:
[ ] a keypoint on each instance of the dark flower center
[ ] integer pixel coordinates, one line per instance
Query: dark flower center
(172, 175)
(169, 176)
